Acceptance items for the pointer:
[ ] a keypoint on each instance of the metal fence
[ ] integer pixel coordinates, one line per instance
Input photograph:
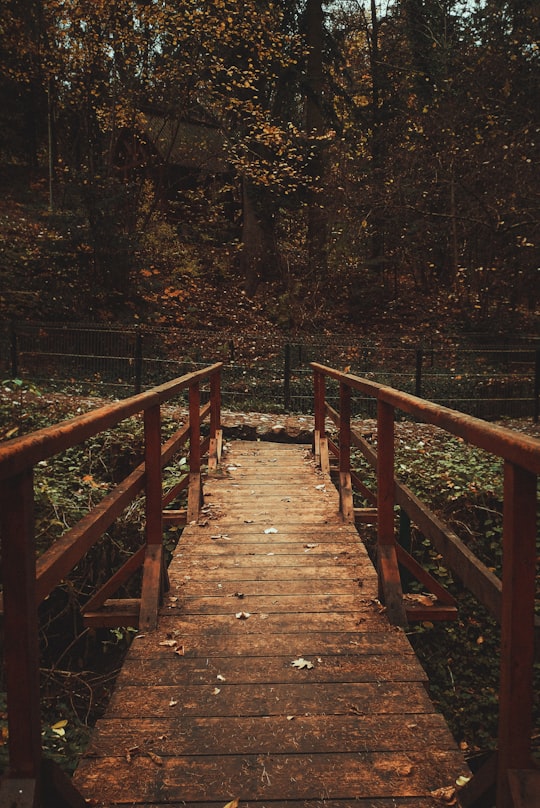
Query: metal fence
(270, 372)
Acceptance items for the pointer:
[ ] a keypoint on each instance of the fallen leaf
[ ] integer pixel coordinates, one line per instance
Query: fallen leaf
(310, 546)
(215, 691)
(232, 804)
(173, 703)
(59, 728)
(301, 663)
(270, 530)
(242, 615)
(169, 643)
(290, 718)
(179, 650)
(321, 487)
(446, 795)
(405, 770)
(155, 758)
(462, 781)
(220, 678)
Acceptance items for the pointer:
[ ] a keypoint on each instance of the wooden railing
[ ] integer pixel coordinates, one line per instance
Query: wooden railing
(511, 601)
(31, 780)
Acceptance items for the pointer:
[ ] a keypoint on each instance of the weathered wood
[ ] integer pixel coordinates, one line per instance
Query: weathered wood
(524, 787)
(151, 587)
(171, 517)
(21, 654)
(325, 460)
(194, 496)
(125, 572)
(263, 735)
(114, 613)
(271, 777)
(371, 640)
(226, 713)
(345, 667)
(277, 699)
(517, 627)
(346, 506)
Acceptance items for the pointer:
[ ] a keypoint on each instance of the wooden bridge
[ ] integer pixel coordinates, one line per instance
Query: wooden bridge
(271, 666)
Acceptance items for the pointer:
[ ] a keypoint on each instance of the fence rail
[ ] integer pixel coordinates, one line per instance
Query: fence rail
(271, 371)
(511, 601)
(31, 780)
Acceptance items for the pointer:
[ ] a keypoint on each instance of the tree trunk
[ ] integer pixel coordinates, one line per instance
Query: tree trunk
(259, 259)
(317, 217)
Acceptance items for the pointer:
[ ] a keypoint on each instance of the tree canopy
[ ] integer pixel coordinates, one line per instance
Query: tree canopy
(353, 147)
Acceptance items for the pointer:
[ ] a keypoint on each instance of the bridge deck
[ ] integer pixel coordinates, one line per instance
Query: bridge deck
(210, 708)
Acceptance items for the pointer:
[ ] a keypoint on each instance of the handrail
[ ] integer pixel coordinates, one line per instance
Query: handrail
(511, 600)
(32, 780)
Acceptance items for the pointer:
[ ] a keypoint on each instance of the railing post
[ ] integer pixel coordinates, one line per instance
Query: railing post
(153, 569)
(21, 630)
(216, 433)
(517, 627)
(320, 443)
(345, 486)
(194, 490)
(390, 589)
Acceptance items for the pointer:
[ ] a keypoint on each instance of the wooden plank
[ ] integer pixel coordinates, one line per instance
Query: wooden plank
(263, 735)
(298, 586)
(270, 777)
(226, 714)
(115, 581)
(115, 612)
(267, 604)
(170, 669)
(251, 645)
(268, 624)
(358, 698)
(524, 787)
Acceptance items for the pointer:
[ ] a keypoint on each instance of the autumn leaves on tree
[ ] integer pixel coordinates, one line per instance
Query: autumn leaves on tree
(348, 146)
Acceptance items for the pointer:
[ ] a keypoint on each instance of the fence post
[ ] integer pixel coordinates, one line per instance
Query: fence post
(21, 628)
(287, 377)
(536, 410)
(195, 489)
(390, 589)
(153, 569)
(138, 361)
(216, 433)
(517, 627)
(345, 486)
(13, 353)
(418, 376)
